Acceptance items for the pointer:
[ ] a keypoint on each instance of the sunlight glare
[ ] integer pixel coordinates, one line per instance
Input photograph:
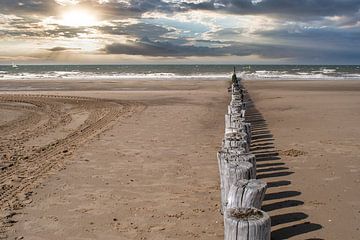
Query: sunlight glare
(78, 18)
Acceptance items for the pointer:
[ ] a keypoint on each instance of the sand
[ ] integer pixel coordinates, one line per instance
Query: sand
(137, 159)
(310, 157)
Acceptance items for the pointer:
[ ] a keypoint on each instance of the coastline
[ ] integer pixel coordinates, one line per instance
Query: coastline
(156, 171)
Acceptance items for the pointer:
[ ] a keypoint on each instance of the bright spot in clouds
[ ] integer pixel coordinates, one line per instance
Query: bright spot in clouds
(78, 18)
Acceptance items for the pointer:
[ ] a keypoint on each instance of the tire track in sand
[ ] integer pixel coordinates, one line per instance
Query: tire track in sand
(22, 176)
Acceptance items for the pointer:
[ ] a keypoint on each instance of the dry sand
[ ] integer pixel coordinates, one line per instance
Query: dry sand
(315, 179)
(140, 161)
(150, 176)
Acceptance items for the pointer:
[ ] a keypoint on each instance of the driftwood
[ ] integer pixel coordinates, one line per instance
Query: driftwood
(246, 224)
(232, 170)
(246, 194)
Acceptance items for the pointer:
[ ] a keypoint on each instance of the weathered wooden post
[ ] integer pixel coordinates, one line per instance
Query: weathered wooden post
(240, 133)
(246, 194)
(239, 103)
(236, 97)
(235, 142)
(246, 224)
(237, 126)
(230, 155)
(232, 170)
(234, 121)
(234, 109)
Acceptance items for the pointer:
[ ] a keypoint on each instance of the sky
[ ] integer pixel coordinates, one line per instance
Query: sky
(180, 31)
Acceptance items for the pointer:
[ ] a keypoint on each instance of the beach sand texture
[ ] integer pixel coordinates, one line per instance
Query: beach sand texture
(137, 159)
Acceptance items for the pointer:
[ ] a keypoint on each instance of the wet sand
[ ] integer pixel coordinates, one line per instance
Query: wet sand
(150, 170)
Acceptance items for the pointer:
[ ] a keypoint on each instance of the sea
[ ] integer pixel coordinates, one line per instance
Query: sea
(183, 72)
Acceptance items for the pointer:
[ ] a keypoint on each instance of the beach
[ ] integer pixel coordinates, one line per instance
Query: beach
(137, 159)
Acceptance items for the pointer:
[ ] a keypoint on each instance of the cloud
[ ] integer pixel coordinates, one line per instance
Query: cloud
(324, 37)
(61, 49)
(289, 53)
(298, 30)
(293, 8)
(28, 6)
(138, 30)
(146, 47)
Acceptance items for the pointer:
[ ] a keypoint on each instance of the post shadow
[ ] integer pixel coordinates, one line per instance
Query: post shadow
(274, 171)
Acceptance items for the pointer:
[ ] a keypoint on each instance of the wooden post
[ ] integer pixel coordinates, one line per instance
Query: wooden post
(246, 224)
(229, 155)
(234, 109)
(236, 143)
(235, 88)
(234, 121)
(236, 96)
(225, 156)
(238, 103)
(247, 130)
(236, 133)
(232, 171)
(246, 194)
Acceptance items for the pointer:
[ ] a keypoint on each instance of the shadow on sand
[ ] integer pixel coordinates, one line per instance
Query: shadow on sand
(272, 169)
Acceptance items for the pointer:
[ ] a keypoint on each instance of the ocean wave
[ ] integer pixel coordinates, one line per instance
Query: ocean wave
(104, 76)
(314, 75)
(323, 74)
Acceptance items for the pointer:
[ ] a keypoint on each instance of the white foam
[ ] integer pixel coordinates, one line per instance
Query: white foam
(324, 74)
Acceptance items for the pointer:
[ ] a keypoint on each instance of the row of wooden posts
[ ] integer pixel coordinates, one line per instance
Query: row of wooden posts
(241, 193)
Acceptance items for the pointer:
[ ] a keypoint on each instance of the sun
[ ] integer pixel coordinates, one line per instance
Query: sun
(79, 18)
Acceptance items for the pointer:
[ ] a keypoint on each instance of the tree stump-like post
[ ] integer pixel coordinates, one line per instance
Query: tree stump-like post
(233, 121)
(236, 143)
(236, 88)
(233, 109)
(244, 130)
(230, 155)
(237, 133)
(230, 172)
(246, 224)
(238, 103)
(236, 97)
(246, 194)
(235, 130)
(247, 129)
